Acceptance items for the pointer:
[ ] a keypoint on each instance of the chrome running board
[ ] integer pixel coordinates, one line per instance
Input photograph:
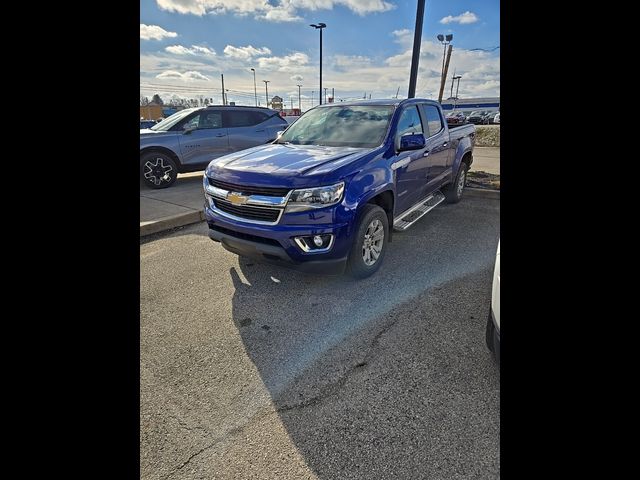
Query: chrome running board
(419, 210)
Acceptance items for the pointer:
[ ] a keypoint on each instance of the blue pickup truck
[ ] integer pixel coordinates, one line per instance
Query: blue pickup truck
(326, 195)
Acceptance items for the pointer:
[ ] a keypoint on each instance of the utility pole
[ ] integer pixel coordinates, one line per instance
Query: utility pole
(224, 101)
(325, 95)
(299, 99)
(415, 59)
(444, 74)
(266, 91)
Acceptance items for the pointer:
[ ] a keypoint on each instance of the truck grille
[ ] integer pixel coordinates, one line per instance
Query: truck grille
(261, 214)
(248, 190)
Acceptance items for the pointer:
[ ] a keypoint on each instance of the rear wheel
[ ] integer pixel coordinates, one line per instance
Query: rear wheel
(370, 243)
(158, 170)
(453, 191)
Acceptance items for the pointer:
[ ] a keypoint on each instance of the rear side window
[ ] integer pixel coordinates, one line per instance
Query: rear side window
(434, 122)
(409, 121)
(245, 118)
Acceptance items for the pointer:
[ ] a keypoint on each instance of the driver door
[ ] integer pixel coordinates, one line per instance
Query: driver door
(209, 140)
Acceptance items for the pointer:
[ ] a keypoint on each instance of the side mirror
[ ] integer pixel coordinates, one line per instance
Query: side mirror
(410, 141)
(187, 129)
(279, 134)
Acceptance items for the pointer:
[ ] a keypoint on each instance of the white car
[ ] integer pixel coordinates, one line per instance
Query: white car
(496, 119)
(493, 322)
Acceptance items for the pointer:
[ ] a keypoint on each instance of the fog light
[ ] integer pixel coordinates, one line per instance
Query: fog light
(315, 243)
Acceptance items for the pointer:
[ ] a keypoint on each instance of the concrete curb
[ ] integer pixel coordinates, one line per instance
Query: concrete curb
(167, 223)
(482, 192)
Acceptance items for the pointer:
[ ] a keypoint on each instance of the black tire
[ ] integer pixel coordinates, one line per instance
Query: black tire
(489, 333)
(453, 192)
(158, 170)
(357, 266)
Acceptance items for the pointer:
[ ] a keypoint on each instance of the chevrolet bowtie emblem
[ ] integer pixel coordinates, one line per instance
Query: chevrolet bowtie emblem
(237, 198)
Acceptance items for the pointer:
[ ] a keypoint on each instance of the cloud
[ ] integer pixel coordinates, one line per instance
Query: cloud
(350, 75)
(274, 11)
(463, 18)
(154, 32)
(194, 50)
(281, 14)
(245, 53)
(186, 76)
(284, 64)
(344, 63)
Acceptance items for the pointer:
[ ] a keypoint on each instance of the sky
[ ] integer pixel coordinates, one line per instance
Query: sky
(186, 44)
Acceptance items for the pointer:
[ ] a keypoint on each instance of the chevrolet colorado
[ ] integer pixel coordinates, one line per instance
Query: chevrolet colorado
(327, 193)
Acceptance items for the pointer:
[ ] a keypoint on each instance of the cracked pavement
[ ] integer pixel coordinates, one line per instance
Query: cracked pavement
(254, 371)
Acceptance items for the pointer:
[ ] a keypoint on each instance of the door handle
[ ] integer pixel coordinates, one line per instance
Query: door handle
(260, 130)
(445, 144)
(221, 135)
(426, 154)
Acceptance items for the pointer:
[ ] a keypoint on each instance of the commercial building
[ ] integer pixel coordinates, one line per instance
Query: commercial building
(468, 105)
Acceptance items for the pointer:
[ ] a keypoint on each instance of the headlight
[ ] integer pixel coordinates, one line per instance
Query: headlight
(319, 197)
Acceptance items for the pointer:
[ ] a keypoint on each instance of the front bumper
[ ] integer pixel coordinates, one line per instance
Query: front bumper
(275, 244)
(276, 255)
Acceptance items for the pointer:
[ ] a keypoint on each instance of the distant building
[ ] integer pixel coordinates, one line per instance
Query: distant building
(468, 105)
(151, 111)
(276, 103)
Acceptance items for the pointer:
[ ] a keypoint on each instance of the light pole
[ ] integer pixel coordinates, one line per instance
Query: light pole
(299, 99)
(320, 26)
(455, 102)
(325, 95)
(444, 40)
(255, 90)
(266, 91)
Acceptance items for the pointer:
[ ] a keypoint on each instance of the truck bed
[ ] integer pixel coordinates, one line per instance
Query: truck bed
(459, 131)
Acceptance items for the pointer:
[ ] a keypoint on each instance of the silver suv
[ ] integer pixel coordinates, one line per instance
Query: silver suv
(189, 139)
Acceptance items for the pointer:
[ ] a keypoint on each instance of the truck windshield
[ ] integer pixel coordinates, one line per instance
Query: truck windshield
(341, 126)
(169, 122)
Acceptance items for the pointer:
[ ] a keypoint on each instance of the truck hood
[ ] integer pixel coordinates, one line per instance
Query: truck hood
(282, 163)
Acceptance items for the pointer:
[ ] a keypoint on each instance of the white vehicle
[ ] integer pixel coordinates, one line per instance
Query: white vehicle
(493, 322)
(496, 119)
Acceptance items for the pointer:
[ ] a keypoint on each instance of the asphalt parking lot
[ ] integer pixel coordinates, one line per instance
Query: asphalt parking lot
(255, 371)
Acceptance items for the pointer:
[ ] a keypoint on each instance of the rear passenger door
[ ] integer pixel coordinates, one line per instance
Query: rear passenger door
(247, 128)
(438, 147)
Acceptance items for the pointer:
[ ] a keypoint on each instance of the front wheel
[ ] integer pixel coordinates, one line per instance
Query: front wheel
(158, 170)
(369, 245)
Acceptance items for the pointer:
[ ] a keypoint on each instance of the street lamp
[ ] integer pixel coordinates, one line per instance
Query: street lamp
(299, 99)
(455, 101)
(255, 90)
(444, 40)
(320, 26)
(266, 91)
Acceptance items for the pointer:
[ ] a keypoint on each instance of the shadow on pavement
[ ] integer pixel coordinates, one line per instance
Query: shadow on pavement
(385, 377)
